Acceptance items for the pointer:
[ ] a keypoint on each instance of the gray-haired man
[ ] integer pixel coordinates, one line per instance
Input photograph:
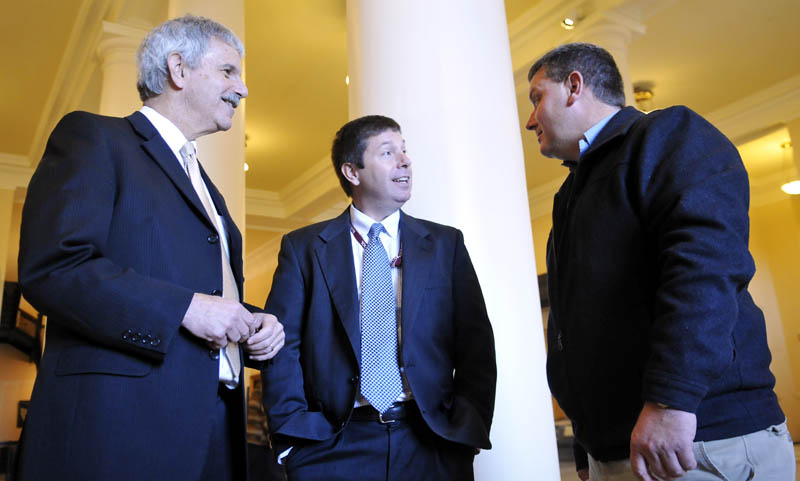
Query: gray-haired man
(130, 250)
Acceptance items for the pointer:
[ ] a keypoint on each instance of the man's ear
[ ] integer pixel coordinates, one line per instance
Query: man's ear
(575, 86)
(176, 68)
(350, 173)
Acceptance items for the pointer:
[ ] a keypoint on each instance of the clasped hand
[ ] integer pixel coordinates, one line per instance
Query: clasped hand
(220, 321)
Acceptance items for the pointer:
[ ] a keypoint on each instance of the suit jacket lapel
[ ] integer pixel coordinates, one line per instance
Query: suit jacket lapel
(158, 149)
(335, 256)
(417, 247)
(233, 233)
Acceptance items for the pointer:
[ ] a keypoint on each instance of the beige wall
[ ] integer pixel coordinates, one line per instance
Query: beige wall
(775, 244)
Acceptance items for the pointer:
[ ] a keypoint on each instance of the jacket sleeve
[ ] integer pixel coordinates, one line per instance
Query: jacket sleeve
(284, 393)
(475, 364)
(63, 267)
(694, 190)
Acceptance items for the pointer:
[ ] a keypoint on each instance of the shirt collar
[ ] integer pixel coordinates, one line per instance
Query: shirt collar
(591, 134)
(362, 222)
(171, 134)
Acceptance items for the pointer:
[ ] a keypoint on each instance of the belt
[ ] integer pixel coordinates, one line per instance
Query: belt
(396, 412)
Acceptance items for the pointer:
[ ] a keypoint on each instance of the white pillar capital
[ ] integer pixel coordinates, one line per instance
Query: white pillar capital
(117, 54)
(613, 30)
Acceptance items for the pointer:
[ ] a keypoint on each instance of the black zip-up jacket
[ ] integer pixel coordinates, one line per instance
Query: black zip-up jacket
(648, 266)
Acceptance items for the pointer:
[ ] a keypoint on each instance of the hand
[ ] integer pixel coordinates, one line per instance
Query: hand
(218, 321)
(661, 443)
(267, 340)
(583, 474)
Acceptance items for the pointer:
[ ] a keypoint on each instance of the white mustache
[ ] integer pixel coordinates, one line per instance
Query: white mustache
(233, 98)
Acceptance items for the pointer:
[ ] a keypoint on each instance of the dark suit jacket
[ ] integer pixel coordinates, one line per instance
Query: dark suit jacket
(447, 342)
(114, 243)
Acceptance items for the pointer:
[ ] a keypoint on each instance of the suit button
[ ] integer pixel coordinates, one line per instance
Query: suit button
(354, 379)
(155, 342)
(134, 338)
(216, 292)
(125, 335)
(214, 354)
(212, 238)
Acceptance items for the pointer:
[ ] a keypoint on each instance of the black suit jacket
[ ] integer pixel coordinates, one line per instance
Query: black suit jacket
(114, 243)
(447, 342)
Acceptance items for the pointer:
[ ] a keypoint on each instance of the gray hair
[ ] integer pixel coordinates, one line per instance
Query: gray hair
(188, 36)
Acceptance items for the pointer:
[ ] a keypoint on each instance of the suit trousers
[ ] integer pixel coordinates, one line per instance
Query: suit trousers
(763, 455)
(225, 460)
(406, 450)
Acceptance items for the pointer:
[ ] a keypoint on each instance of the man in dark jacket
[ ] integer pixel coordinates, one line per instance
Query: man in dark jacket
(129, 249)
(398, 385)
(657, 352)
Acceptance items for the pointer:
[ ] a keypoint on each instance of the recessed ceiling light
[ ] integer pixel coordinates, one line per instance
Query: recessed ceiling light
(791, 188)
(246, 167)
(347, 80)
(568, 23)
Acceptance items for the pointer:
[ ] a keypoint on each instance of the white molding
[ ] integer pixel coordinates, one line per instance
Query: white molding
(264, 203)
(309, 187)
(74, 70)
(777, 104)
(540, 198)
(263, 258)
(15, 171)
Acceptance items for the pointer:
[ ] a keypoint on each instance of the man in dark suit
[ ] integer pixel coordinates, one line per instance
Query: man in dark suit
(130, 250)
(389, 366)
(657, 352)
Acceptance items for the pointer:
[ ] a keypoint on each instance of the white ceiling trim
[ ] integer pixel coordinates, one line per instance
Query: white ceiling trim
(74, 70)
(263, 258)
(778, 104)
(15, 171)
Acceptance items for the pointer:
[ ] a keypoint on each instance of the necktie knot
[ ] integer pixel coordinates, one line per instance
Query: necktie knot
(375, 231)
(188, 153)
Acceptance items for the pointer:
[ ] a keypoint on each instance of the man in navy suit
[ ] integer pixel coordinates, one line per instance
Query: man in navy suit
(326, 419)
(130, 250)
(656, 350)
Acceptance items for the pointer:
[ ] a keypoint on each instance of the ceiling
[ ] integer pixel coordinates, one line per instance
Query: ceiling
(706, 54)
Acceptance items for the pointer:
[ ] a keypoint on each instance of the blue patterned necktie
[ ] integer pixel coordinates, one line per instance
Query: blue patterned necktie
(380, 375)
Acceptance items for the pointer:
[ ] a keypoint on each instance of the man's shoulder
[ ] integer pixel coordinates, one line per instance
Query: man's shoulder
(91, 122)
(677, 118)
(426, 228)
(318, 228)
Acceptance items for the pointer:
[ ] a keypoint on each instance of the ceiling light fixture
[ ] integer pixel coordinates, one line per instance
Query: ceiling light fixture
(347, 80)
(571, 19)
(643, 96)
(246, 167)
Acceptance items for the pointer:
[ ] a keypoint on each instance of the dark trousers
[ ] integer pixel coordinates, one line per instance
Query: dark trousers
(406, 450)
(226, 458)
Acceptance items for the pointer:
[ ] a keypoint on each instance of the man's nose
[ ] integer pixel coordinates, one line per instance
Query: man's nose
(532, 123)
(405, 160)
(241, 89)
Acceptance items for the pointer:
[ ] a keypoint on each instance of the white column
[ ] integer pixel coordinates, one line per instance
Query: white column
(117, 53)
(614, 31)
(222, 154)
(445, 75)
